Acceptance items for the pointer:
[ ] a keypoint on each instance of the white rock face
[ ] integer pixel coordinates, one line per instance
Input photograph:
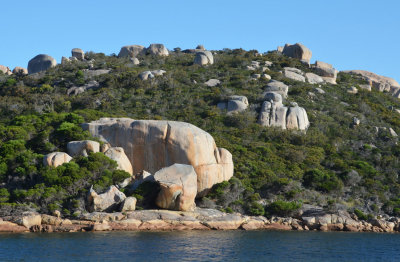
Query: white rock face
(117, 154)
(352, 90)
(151, 145)
(294, 75)
(41, 63)
(314, 79)
(298, 51)
(178, 187)
(212, 82)
(277, 87)
(204, 58)
(83, 148)
(158, 50)
(274, 114)
(151, 74)
(20, 71)
(132, 51)
(235, 104)
(108, 201)
(56, 159)
(129, 204)
(78, 54)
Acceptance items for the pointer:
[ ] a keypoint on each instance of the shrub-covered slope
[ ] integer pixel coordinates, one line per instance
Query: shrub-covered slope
(334, 164)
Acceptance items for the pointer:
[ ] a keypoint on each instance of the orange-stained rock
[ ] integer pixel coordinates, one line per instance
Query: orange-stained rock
(151, 145)
(277, 226)
(253, 224)
(6, 226)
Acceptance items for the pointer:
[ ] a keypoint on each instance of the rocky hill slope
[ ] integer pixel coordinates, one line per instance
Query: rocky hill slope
(300, 134)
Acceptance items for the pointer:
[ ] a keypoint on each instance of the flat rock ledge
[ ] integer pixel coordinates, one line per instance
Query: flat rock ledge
(200, 219)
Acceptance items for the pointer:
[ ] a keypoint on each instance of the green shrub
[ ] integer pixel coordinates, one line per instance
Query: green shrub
(283, 208)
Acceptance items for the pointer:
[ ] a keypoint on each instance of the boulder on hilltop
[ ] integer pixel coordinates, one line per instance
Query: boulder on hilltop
(40, 63)
(298, 51)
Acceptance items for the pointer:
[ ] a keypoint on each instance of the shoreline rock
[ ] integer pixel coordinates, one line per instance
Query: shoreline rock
(199, 219)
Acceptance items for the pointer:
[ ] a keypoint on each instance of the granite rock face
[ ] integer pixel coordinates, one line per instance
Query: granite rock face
(277, 87)
(5, 70)
(204, 58)
(298, 51)
(117, 154)
(178, 185)
(157, 49)
(78, 54)
(152, 145)
(56, 159)
(326, 71)
(132, 51)
(274, 114)
(83, 148)
(20, 71)
(108, 201)
(234, 104)
(41, 63)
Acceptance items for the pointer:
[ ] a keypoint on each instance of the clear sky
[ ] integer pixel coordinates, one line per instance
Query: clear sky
(350, 34)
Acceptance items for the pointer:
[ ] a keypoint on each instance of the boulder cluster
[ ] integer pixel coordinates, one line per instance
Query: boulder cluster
(136, 50)
(183, 159)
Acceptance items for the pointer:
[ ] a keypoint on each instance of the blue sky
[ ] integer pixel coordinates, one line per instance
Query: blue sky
(350, 34)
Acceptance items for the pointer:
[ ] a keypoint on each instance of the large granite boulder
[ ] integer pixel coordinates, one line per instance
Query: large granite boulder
(129, 204)
(294, 74)
(178, 187)
(117, 154)
(381, 83)
(274, 114)
(298, 51)
(20, 71)
(41, 63)
(152, 145)
(277, 87)
(326, 71)
(314, 79)
(132, 51)
(78, 54)
(83, 148)
(108, 201)
(157, 49)
(56, 159)
(204, 58)
(234, 104)
(5, 70)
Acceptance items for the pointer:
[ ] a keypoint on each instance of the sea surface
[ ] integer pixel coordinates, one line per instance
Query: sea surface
(200, 246)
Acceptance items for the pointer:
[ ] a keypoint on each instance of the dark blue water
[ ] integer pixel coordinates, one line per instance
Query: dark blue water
(200, 246)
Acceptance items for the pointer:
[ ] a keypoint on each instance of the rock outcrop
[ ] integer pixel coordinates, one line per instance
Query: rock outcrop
(157, 49)
(5, 70)
(178, 185)
(314, 79)
(41, 63)
(117, 154)
(212, 82)
(151, 145)
(83, 148)
(294, 74)
(204, 58)
(108, 201)
(298, 51)
(380, 83)
(76, 90)
(151, 74)
(274, 114)
(20, 71)
(277, 87)
(132, 51)
(326, 71)
(56, 159)
(234, 104)
(129, 204)
(78, 54)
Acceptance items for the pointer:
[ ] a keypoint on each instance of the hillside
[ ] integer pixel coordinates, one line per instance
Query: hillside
(347, 158)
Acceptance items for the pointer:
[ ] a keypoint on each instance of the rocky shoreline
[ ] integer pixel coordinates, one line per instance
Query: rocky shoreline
(200, 219)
